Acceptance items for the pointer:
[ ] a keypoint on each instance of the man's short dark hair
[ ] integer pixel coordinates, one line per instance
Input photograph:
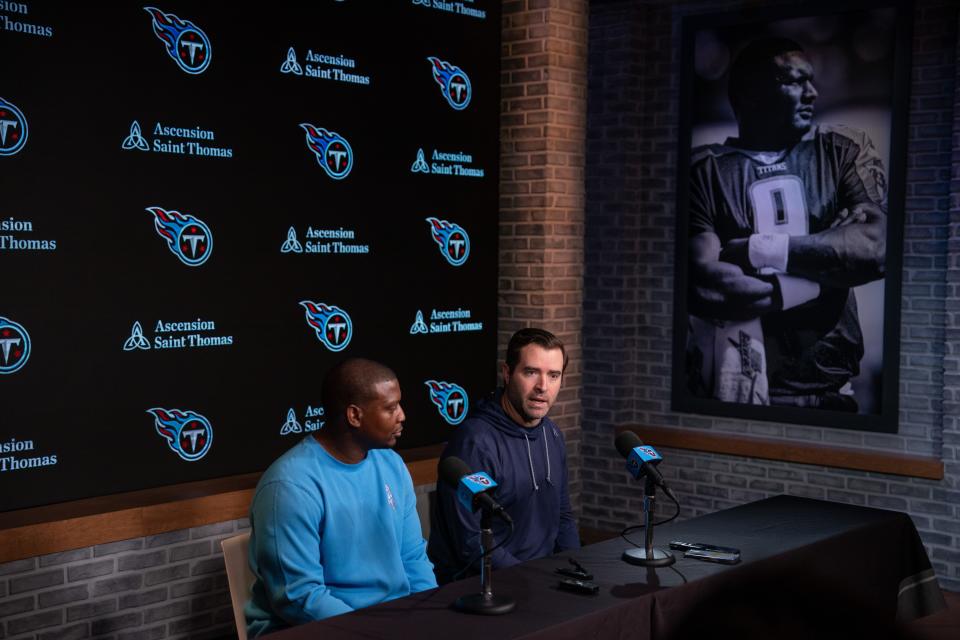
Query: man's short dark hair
(533, 335)
(754, 64)
(352, 381)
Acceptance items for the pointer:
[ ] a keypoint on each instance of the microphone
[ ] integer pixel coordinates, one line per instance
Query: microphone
(642, 460)
(472, 488)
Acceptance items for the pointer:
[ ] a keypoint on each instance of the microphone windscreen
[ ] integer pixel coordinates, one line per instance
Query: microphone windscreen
(451, 469)
(626, 442)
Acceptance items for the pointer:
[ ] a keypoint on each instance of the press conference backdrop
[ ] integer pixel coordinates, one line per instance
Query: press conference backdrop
(203, 208)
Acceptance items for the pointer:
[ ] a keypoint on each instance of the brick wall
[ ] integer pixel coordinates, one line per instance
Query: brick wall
(170, 585)
(628, 290)
(543, 119)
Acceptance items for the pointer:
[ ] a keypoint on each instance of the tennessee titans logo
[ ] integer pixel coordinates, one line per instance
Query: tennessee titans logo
(453, 240)
(187, 237)
(454, 83)
(13, 129)
(188, 433)
(186, 43)
(332, 324)
(451, 400)
(332, 150)
(14, 346)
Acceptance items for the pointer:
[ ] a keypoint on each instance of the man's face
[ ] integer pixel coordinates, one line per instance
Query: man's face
(532, 387)
(794, 94)
(382, 417)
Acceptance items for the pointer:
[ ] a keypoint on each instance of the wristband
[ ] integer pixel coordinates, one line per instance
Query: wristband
(769, 251)
(796, 291)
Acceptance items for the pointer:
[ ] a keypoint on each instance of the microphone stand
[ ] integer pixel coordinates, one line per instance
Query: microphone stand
(649, 556)
(485, 603)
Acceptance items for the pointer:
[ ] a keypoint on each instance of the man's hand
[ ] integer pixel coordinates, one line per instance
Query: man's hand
(737, 251)
(856, 215)
(851, 252)
(720, 289)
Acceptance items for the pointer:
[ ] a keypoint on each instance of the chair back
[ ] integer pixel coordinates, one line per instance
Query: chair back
(239, 577)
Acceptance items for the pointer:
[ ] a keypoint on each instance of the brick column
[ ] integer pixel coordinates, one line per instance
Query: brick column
(542, 153)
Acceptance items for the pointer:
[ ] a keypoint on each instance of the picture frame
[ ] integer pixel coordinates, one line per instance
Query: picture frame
(790, 201)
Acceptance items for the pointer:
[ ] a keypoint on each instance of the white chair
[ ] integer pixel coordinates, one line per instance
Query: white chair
(239, 577)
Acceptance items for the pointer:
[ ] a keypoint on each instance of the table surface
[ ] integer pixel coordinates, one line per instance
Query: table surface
(870, 551)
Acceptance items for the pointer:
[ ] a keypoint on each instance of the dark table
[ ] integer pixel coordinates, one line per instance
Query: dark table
(796, 552)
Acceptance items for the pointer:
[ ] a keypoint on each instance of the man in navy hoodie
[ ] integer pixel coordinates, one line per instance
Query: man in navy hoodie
(509, 436)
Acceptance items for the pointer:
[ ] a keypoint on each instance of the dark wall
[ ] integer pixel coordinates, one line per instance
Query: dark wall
(632, 135)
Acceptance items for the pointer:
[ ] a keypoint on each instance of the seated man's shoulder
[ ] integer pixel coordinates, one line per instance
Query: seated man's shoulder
(305, 448)
(289, 467)
(473, 431)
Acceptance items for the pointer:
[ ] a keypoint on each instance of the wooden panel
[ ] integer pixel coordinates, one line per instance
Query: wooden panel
(767, 449)
(42, 530)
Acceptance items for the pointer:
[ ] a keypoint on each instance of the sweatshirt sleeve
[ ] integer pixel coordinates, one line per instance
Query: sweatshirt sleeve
(287, 555)
(568, 537)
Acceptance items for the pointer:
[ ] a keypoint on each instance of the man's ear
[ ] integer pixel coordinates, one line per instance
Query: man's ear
(354, 415)
(505, 373)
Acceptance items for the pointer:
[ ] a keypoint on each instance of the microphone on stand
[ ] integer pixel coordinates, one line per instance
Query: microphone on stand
(473, 491)
(642, 461)
(472, 488)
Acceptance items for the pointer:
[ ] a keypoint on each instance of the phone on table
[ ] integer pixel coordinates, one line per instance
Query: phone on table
(578, 586)
(680, 545)
(723, 557)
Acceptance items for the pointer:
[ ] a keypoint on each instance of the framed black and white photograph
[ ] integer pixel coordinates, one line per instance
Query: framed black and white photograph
(790, 214)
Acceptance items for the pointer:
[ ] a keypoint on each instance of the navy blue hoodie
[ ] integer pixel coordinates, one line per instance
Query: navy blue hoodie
(530, 467)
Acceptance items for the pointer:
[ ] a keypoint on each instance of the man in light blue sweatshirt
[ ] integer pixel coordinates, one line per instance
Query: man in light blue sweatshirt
(334, 525)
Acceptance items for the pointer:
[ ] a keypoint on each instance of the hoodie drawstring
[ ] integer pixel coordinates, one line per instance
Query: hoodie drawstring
(546, 451)
(533, 476)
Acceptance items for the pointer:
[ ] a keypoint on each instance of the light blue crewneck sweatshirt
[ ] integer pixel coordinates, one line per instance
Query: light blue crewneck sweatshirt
(329, 537)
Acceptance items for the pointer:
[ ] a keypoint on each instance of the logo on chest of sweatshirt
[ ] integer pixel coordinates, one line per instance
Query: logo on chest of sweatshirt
(390, 500)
